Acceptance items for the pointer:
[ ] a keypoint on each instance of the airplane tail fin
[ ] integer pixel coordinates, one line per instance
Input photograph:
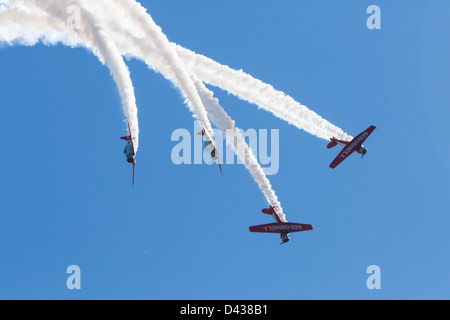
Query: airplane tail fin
(332, 144)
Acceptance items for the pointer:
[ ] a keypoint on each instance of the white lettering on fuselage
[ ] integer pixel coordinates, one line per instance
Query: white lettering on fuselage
(282, 227)
(354, 144)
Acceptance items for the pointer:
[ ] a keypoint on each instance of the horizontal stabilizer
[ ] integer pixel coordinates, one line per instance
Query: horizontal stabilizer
(268, 211)
(332, 144)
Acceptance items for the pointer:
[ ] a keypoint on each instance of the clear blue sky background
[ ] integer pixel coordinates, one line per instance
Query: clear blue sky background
(182, 231)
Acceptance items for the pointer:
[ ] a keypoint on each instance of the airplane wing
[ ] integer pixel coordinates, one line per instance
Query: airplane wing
(341, 157)
(220, 166)
(281, 227)
(134, 169)
(352, 146)
(360, 138)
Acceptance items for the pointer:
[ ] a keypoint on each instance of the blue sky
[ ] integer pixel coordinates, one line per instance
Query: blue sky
(182, 231)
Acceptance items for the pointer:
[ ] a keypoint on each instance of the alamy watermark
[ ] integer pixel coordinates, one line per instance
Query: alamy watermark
(74, 280)
(190, 147)
(374, 20)
(73, 17)
(374, 280)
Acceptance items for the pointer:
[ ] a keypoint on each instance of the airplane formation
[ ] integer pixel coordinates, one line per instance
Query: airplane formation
(280, 227)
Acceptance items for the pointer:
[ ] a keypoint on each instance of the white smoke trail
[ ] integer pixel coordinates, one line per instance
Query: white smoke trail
(216, 112)
(257, 92)
(235, 82)
(93, 33)
(144, 48)
(238, 144)
(25, 26)
(144, 20)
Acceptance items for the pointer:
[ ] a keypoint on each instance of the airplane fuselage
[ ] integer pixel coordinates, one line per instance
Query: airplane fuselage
(351, 146)
(128, 151)
(281, 227)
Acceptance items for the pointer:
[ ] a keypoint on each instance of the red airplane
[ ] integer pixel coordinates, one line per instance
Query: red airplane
(350, 146)
(210, 147)
(283, 228)
(129, 150)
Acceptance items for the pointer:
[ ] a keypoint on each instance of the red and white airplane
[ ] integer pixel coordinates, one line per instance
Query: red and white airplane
(210, 146)
(129, 150)
(350, 146)
(283, 228)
